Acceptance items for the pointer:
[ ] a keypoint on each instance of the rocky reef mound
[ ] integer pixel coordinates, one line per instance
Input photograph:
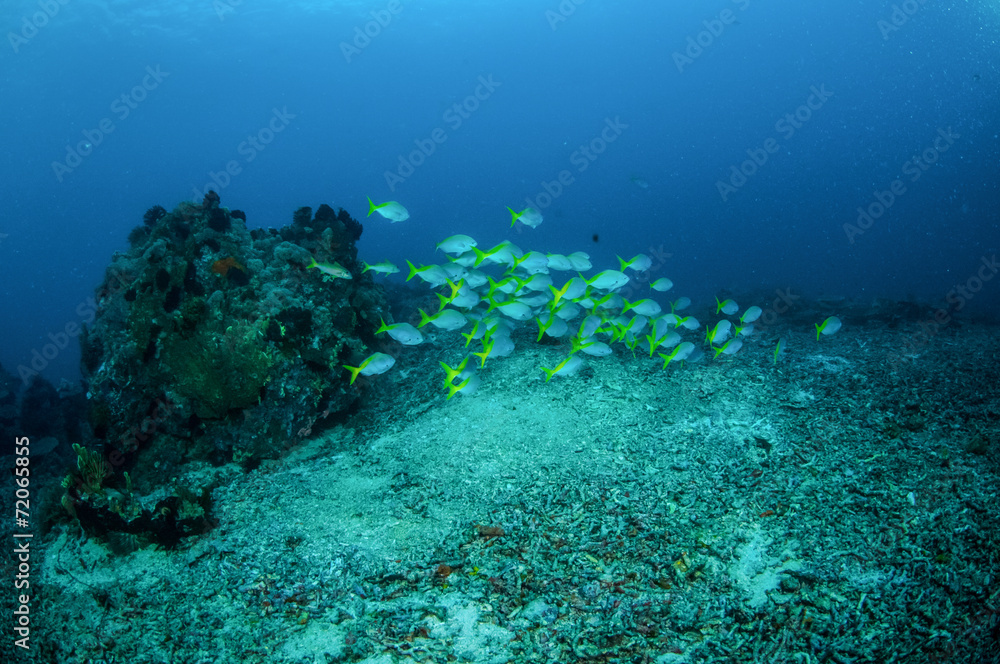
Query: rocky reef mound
(217, 343)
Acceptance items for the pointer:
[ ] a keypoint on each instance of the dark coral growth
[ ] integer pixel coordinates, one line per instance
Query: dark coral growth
(302, 216)
(162, 279)
(292, 325)
(238, 277)
(219, 221)
(153, 215)
(191, 284)
(138, 235)
(232, 330)
(172, 299)
(325, 215)
(352, 225)
(211, 200)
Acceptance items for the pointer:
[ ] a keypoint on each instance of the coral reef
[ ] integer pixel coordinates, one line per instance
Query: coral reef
(214, 343)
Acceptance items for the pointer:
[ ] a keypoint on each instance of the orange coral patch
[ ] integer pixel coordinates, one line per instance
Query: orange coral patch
(222, 267)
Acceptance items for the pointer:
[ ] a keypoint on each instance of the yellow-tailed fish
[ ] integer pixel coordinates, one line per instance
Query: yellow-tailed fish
(728, 307)
(662, 284)
(404, 333)
(456, 244)
(828, 327)
(639, 263)
(334, 270)
(567, 367)
(391, 210)
(385, 267)
(529, 216)
(447, 319)
(374, 364)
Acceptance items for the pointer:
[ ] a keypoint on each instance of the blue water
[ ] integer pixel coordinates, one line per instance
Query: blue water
(642, 109)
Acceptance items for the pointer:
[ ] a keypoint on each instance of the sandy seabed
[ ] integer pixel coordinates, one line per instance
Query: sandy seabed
(837, 506)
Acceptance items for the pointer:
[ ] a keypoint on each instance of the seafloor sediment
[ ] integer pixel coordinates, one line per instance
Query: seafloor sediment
(838, 506)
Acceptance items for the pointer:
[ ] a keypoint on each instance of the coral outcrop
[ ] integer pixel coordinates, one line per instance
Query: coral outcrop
(215, 342)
